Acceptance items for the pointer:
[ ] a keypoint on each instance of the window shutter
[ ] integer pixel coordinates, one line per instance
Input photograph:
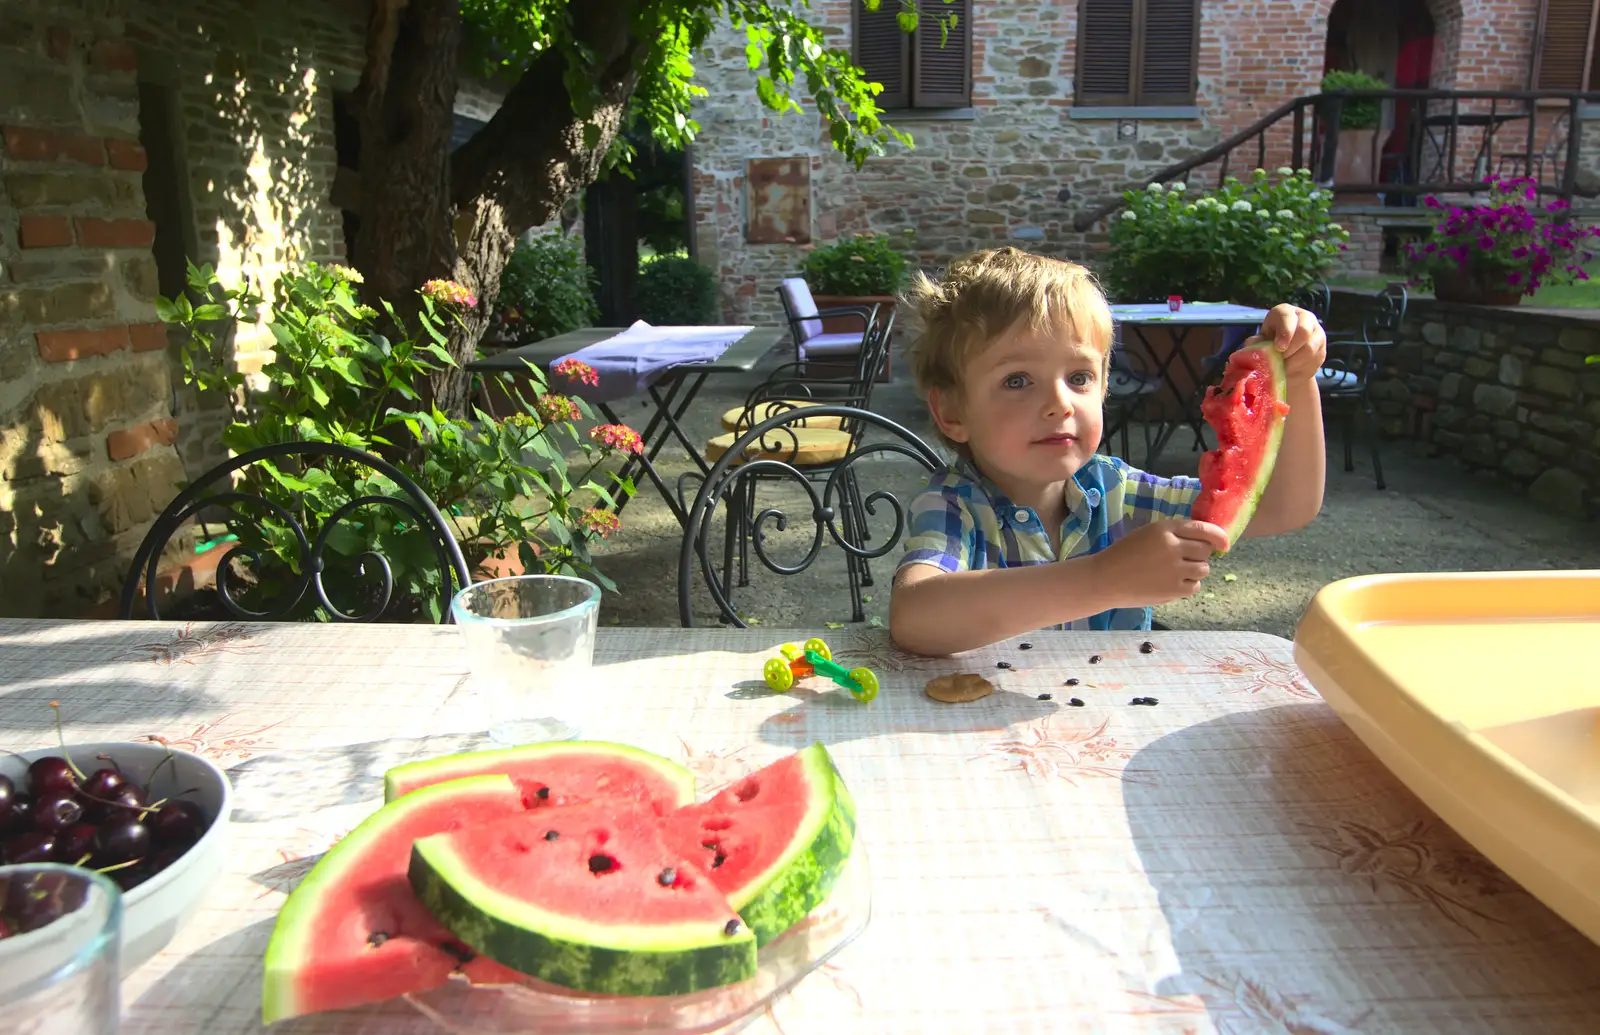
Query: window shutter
(883, 52)
(1167, 51)
(1105, 51)
(1566, 42)
(942, 70)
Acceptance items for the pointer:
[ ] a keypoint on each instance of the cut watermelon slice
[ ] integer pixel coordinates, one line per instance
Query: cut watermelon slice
(353, 932)
(775, 842)
(560, 773)
(588, 897)
(1247, 412)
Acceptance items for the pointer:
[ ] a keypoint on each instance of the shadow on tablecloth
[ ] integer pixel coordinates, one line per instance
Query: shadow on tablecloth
(1306, 889)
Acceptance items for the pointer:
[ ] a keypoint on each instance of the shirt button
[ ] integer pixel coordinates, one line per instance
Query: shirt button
(1093, 496)
(1020, 515)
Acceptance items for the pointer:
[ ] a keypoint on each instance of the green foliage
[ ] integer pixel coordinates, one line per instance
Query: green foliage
(867, 264)
(675, 289)
(1365, 113)
(546, 289)
(1253, 242)
(781, 46)
(505, 485)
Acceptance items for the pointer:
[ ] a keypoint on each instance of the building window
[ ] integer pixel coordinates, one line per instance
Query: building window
(1137, 52)
(926, 68)
(1566, 56)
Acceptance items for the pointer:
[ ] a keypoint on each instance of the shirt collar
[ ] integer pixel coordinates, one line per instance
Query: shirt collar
(1079, 501)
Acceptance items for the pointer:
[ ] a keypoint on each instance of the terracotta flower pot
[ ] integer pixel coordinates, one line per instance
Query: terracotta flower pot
(1474, 288)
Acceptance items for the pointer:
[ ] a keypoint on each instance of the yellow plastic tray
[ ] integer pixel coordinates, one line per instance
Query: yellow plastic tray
(1481, 691)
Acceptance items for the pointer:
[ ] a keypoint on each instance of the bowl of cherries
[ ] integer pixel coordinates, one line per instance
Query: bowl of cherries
(150, 818)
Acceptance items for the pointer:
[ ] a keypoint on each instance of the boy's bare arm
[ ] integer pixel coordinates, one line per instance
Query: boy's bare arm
(937, 612)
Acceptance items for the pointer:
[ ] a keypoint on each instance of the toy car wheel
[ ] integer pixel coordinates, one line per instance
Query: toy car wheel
(867, 681)
(820, 648)
(777, 674)
(791, 651)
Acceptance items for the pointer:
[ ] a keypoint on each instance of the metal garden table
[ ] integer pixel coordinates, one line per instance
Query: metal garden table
(1232, 860)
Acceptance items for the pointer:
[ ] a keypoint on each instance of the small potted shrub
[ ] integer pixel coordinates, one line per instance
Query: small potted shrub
(676, 290)
(1508, 246)
(545, 290)
(864, 270)
(1358, 130)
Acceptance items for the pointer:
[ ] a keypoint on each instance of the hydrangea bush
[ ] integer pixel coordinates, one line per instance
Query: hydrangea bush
(507, 486)
(1252, 241)
(1508, 242)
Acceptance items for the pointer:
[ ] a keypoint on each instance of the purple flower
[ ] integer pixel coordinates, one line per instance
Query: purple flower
(1520, 252)
(1581, 274)
(1514, 279)
(1485, 242)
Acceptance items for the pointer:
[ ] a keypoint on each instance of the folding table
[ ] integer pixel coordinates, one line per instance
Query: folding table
(672, 392)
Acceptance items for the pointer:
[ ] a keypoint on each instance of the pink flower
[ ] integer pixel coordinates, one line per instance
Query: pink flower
(448, 292)
(617, 436)
(600, 521)
(579, 371)
(553, 408)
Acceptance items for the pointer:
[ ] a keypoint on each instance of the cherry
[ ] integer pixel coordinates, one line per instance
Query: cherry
(74, 842)
(51, 773)
(35, 846)
(121, 838)
(37, 899)
(56, 811)
(104, 783)
(18, 818)
(126, 801)
(178, 822)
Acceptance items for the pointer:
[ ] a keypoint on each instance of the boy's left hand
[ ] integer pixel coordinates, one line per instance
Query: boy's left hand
(1299, 336)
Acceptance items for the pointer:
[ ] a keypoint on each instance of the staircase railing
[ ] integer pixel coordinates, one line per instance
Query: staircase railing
(1544, 128)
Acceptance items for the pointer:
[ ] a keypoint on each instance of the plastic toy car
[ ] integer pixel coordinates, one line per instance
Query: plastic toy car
(796, 663)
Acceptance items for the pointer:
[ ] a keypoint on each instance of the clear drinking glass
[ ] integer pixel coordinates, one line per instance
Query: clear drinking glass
(530, 644)
(63, 976)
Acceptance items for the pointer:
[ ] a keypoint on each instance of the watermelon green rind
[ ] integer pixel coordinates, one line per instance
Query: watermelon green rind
(1269, 456)
(799, 880)
(403, 779)
(290, 944)
(614, 959)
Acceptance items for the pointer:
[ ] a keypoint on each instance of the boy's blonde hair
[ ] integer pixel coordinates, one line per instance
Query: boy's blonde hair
(983, 295)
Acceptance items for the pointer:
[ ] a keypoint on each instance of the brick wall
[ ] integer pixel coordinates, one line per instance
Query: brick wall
(1019, 166)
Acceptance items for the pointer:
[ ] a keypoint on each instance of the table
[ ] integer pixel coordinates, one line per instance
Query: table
(1230, 861)
(672, 394)
(1444, 148)
(1139, 316)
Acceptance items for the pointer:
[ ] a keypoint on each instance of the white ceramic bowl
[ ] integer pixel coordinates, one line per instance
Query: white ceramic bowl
(153, 911)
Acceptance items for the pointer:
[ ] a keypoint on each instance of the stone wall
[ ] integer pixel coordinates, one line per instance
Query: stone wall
(1021, 163)
(1503, 389)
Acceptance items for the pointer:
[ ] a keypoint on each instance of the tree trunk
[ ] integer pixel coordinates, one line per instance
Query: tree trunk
(428, 214)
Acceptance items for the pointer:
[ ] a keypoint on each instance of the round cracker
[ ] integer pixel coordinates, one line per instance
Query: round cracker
(958, 688)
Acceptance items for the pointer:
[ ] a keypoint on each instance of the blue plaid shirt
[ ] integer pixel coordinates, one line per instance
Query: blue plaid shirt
(962, 522)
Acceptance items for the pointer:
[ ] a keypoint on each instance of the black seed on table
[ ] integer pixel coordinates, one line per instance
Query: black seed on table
(1003, 664)
(1146, 647)
(1025, 646)
(1045, 697)
(1070, 682)
(551, 835)
(1075, 703)
(667, 877)
(731, 927)
(377, 938)
(1151, 700)
(1094, 659)
(542, 793)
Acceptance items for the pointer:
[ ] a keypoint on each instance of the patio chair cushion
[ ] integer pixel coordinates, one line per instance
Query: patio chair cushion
(809, 447)
(798, 294)
(771, 408)
(837, 344)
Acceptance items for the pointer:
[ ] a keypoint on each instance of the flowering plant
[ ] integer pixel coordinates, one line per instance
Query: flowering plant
(1254, 241)
(503, 485)
(1509, 242)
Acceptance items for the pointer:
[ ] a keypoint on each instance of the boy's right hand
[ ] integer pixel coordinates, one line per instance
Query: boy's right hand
(1162, 561)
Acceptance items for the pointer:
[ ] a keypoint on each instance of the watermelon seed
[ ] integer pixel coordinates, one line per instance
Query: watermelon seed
(1075, 703)
(1003, 664)
(732, 927)
(1025, 646)
(377, 938)
(542, 793)
(1071, 682)
(551, 835)
(667, 877)
(462, 954)
(1045, 697)
(1094, 659)
(1146, 647)
(601, 864)
(747, 790)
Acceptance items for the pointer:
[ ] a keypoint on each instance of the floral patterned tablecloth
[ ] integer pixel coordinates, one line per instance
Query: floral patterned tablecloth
(1231, 860)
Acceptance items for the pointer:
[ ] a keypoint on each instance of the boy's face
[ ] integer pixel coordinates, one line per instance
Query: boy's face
(1030, 408)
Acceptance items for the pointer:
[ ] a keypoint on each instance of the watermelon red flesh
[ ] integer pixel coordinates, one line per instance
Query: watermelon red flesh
(560, 773)
(353, 932)
(775, 842)
(589, 897)
(1247, 412)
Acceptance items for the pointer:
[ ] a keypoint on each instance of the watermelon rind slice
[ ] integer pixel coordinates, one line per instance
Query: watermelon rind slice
(293, 961)
(610, 956)
(1245, 506)
(671, 785)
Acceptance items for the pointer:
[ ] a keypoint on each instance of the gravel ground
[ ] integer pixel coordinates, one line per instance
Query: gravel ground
(1433, 517)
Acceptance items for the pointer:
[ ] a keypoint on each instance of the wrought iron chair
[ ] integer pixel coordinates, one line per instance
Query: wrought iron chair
(837, 508)
(311, 564)
(1346, 375)
(1129, 386)
(805, 324)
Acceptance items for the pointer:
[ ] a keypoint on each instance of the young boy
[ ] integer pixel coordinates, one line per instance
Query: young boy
(1033, 528)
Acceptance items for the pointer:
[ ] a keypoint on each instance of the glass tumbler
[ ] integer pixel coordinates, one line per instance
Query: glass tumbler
(59, 948)
(529, 641)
